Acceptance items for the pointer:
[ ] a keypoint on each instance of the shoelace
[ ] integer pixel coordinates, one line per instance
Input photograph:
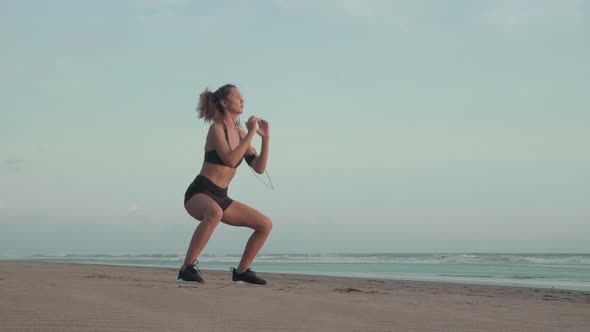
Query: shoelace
(194, 267)
(250, 274)
(246, 272)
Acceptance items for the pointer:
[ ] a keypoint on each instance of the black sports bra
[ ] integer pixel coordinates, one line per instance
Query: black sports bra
(213, 157)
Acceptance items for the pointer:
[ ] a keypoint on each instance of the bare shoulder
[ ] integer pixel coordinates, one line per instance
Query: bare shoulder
(213, 136)
(214, 128)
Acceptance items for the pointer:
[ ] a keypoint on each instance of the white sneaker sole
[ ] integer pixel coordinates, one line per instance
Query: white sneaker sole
(190, 282)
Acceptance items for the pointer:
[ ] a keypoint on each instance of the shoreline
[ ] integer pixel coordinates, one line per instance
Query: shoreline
(79, 296)
(516, 281)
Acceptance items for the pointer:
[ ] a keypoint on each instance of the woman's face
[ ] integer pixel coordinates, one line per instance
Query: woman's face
(235, 102)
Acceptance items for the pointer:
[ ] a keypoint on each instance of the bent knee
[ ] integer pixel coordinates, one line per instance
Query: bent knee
(265, 226)
(213, 216)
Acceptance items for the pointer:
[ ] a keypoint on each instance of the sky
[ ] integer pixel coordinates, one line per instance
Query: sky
(396, 126)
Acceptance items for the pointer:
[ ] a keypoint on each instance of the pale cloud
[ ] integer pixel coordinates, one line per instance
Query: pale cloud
(521, 14)
(161, 2)
(399, 13)
(11, 164)
(132, 209)
(3, 204)
(334, 8)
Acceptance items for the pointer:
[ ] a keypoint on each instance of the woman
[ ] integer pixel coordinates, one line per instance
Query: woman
(206, 198)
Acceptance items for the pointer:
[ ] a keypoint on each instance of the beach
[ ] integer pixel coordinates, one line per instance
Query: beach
(86, 297)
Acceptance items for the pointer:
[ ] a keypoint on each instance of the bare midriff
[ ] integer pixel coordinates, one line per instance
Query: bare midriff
(220, 175)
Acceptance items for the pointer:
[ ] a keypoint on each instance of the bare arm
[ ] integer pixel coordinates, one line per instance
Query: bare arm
(259, 164)
(230, 157)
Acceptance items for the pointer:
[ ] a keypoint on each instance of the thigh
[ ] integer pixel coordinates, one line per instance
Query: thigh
(240, 214)
(201, 206)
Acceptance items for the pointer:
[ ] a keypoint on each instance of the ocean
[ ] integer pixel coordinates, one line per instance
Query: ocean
(560, 271)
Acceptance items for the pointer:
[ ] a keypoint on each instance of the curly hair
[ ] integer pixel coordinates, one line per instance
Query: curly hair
(209, 107)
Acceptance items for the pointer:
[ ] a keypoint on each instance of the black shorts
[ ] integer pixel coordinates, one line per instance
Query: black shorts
(205, 186)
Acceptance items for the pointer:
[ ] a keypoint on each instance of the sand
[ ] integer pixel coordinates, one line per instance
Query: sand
(81, 297)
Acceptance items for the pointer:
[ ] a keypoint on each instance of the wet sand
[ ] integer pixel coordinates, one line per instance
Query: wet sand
(80, 297)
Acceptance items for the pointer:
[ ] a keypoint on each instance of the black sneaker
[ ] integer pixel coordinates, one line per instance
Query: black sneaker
(190, 273)
(248, 276)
